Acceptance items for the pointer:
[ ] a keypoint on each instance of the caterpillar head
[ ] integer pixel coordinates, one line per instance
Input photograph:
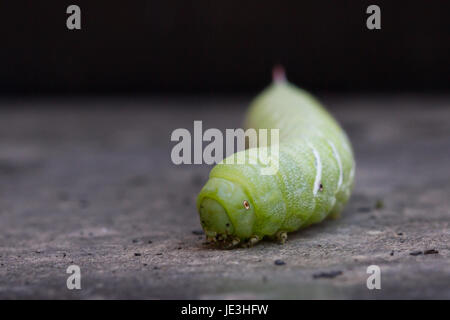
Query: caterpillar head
(226, 212)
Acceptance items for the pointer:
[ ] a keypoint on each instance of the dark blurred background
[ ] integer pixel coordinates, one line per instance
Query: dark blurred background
(206, 46)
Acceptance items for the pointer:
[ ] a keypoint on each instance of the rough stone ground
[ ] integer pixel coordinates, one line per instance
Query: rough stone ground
(94, 186)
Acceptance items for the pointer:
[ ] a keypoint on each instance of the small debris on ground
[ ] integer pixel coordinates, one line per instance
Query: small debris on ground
(416, 253)
(330, 274)
(279, 262)
(379, 204)
(431, 251)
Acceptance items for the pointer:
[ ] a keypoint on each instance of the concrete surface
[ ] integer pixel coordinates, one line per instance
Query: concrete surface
(95, 187)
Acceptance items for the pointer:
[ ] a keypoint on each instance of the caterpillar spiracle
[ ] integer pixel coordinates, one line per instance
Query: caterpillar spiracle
(239, 205)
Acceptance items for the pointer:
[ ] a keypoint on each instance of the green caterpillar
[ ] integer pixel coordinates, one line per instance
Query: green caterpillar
(239, 205)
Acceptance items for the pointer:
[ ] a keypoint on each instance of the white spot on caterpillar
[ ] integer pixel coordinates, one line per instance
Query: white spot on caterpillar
(318, 169)
(338, 159)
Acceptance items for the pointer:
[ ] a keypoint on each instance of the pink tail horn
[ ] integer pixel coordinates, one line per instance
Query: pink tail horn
(278, 74)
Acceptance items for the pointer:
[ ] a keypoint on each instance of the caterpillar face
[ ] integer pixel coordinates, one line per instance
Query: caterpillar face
(226, 211)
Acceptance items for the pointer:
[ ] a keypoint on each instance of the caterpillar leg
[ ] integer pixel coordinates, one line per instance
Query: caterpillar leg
(281, 237)
(231, 244)
(251, 242)
(223, 241)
